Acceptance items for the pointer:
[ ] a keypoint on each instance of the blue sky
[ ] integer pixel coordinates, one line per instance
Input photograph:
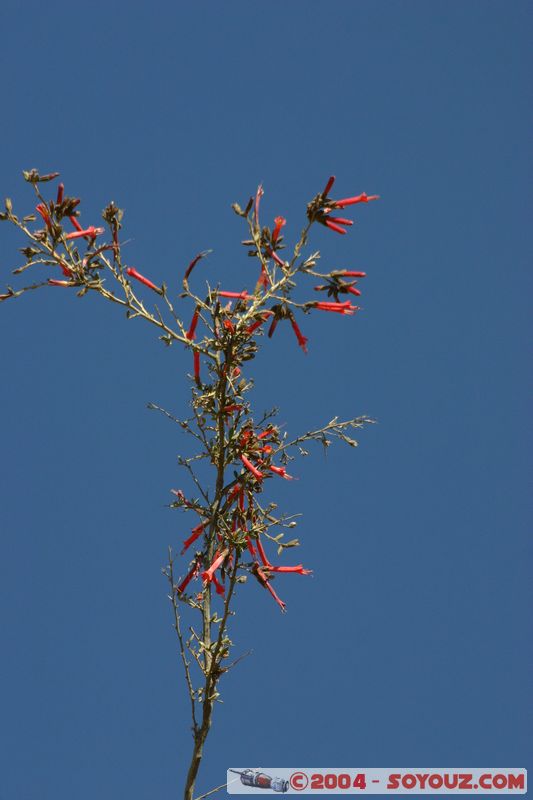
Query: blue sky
(411, 644)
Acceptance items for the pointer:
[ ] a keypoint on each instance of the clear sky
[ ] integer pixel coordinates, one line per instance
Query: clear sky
(411, 645)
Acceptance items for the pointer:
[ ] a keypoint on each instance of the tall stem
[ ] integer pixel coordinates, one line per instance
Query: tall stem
(212, 658)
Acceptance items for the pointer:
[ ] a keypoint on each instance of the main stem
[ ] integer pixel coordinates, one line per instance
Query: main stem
(212, 658)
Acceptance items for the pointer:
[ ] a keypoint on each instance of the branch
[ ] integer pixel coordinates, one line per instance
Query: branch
(333, 428)
(177, 627)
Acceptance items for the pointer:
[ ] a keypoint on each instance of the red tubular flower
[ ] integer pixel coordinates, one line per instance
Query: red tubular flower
(280, 222)
(258, 195)
(360, 198)
(332, 226)
(237, 295)
(351, 273)
(196, 532)
(75, 223)
(43, 211)
(263, 279)
(328, 186)
(218, 586)
(196, 363)
(182, 497)
(341, 220)
(266, 583)
(90, 232)
(250, 467)
(251, 547)
(194, 322)
(267, 449)
(194, 262)
(241, 501)
(245, 436)
(231, 408)
(340, 308)
(207, 575)
(353, 290)
(278, 600)
(282, 472)
(188, 578)
(262, 553)
(298, 568)
(132, 272)
(302, 340)
(266, 433)
(255, 325)
(60, 190)
(275, 256)
(65, 270)
(273, 326)
(232, 494)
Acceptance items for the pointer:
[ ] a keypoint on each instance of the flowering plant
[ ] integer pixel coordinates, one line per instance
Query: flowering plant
(234, 533)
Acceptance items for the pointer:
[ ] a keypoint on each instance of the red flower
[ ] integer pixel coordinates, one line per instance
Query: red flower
(60, 190)
(273, 326)
(232, 494)
(43, 211)
(299, 569)
(280, 222)
(75, 223)
(188, 578)
(255, 325)
(332, 226)
(132, 272)
(340, 308)
(194, 262)
(251, 547)
(360, 198)
(196, 363)
(302, 340)
(328, 186)
(218, 586)
(182, 497)
(90, 232)
(266, 583)
(196, 532)
(194, 322)
(351, 273)
(282, 472)
(249, 466)
(231, 408)
(258, 195)
(237, 295)
(207, 575)
(266, 433)
(263, 279)
(228, 325)
(245, 436)
(275, 256)
(350, 288)
(65, 270)
(341, 220)
(262, 553)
